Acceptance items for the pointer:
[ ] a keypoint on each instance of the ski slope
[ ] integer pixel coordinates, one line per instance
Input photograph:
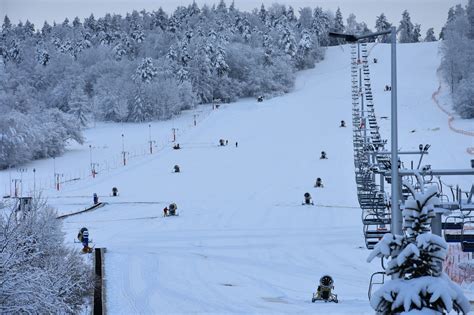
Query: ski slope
(242, 242)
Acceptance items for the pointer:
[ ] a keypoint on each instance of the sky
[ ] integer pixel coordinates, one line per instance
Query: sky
(428, 13)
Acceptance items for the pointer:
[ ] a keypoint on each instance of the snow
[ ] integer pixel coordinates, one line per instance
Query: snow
(242, 242)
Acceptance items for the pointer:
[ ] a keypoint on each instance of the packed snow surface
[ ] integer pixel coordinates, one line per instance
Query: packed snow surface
(242, 242)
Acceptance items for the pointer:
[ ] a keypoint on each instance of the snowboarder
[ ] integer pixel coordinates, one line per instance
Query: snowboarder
(260, 98)
(176, 168)
(323, 155)
(307, 199)
(95, 199)
(172, 209)
(343, 123)
(176, 146)
(114, 192)
(324, 291)
(165, 211)
(319, 183)
(83, 237)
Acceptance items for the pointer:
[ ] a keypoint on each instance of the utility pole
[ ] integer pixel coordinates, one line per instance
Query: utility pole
(149, 139)
(21, 171)
(90, 159)
(34, 183)
(123, 151)
(174, 133)
(15, 181)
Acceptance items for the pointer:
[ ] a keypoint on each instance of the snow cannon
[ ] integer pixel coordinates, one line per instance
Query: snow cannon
(307, 199)
(324, 291)
(172, 209)
(319, 183)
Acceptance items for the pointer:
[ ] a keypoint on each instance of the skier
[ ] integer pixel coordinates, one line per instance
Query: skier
(260, 98)
(375, 60)
(95, 198)
(165, 211)
(221, 142)
(176, 168)
(307, 199)
(236, 144)
(324, 291)
(83, 237)
(319, 183)
(343, 123)
(226, 142)
(323, 155)
(114, 192)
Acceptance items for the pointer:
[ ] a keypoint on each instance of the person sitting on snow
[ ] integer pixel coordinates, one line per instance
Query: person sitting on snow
(176, 146)
(176, 169)
(323, 155)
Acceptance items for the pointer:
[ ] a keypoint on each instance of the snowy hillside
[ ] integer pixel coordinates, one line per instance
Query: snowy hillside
(242, 242)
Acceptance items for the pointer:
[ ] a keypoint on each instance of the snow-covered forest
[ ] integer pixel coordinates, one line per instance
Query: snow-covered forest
(457, 65)
(144, 66)
(39, 274)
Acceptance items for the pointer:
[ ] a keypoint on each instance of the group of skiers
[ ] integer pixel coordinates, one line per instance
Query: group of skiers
(223, 143)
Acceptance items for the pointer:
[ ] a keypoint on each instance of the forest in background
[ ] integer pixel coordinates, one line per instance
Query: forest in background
(148, 66)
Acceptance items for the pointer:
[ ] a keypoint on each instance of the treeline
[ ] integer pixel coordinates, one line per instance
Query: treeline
(150, 65)
(144, 66)
(457, 65)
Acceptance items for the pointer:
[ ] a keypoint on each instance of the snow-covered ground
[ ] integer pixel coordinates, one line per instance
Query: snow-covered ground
(243, 243)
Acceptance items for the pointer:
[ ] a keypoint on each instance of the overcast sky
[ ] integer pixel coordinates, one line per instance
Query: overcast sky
(428, 13)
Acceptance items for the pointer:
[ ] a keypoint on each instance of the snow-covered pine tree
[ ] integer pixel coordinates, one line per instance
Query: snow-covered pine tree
(145, 72)
(79, 105)
(338, 27)
(303, 55)
(430, 36)
(415, 263)
(416, 33)
(406, 29)
(381, 24)
(320, 26)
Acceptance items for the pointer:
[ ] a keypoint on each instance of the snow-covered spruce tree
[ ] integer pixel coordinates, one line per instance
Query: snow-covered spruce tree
(79, 105)
(381, 24)
(38, 273)
(405, 30)
(415, 263)
(430, 36)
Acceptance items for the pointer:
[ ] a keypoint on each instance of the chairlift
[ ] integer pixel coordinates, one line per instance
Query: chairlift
(467, 236)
